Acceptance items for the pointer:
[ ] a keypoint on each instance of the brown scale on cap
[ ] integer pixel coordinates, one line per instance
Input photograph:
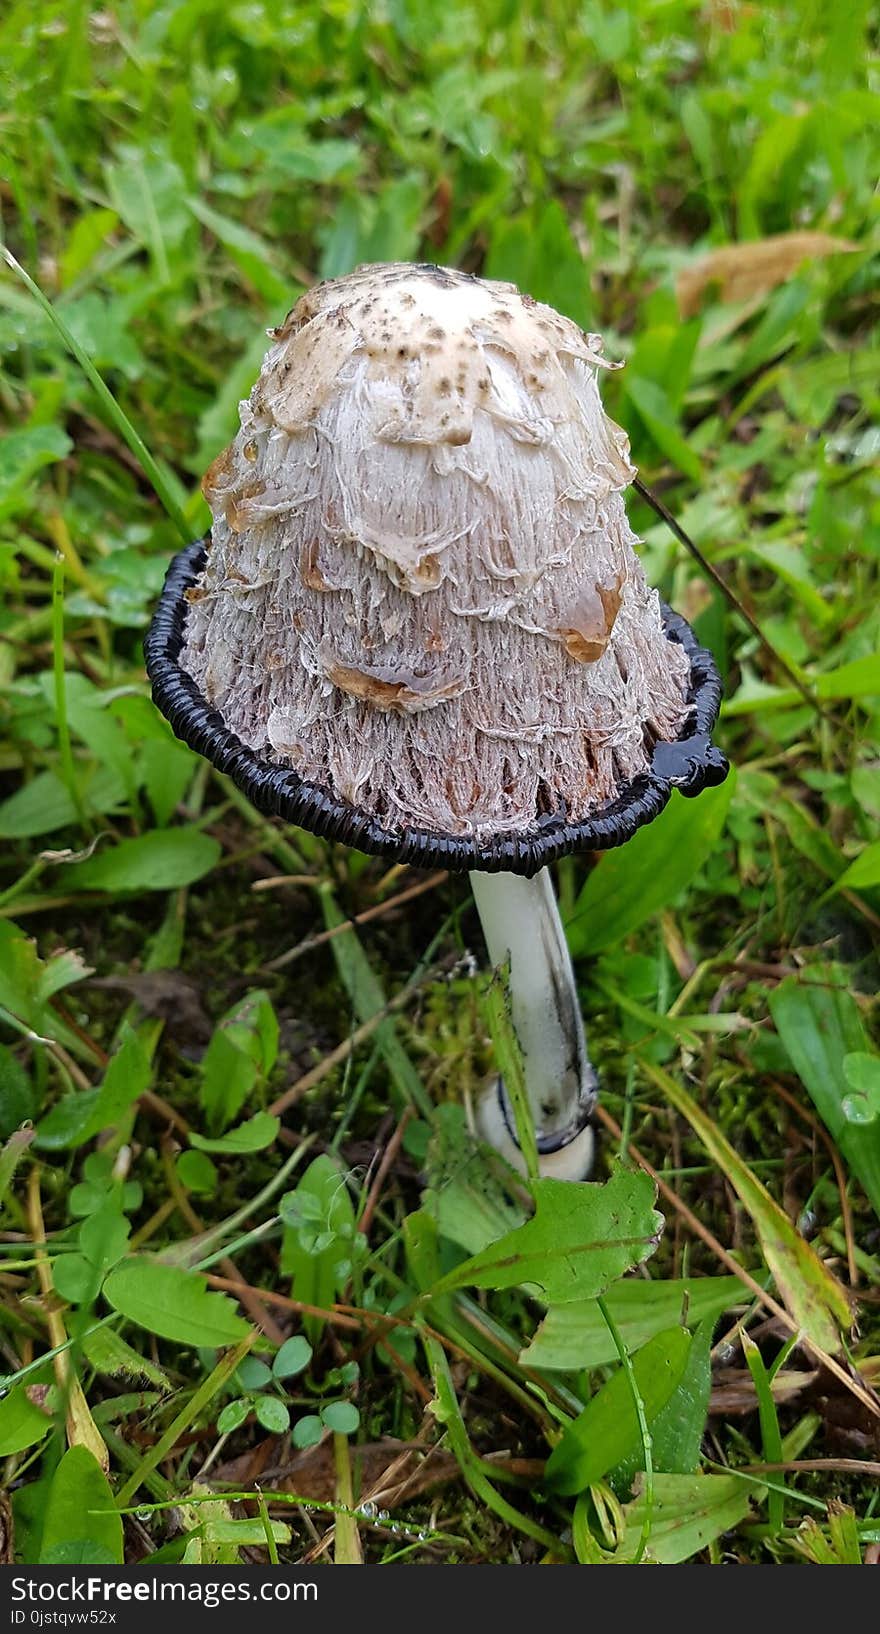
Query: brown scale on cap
(421, 521)
(590, 623)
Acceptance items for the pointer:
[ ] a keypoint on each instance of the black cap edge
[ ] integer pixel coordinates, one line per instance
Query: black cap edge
(690, 764)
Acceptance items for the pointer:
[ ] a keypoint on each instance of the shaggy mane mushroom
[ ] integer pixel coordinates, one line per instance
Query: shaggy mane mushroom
(420, 625)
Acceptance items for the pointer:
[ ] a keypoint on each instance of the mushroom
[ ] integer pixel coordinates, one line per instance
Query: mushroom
(419, 624)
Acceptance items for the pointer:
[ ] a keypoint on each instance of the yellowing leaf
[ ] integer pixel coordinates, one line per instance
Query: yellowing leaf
(689, 1512)
(743, 270)
(577, 1335)
(811, 1294)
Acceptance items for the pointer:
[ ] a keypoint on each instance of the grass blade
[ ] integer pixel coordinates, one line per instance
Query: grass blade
(152, 471)
(199, 1399)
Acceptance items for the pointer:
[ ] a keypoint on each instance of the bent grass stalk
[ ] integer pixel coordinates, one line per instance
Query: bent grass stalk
(151, 469)
(647, 1444)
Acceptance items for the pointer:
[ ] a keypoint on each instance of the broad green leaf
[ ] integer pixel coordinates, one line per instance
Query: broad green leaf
(576, 1335)
(789, 564)
(103, 1239)
(865, 784)
(167, 770)
(678, 1429)
(197, 1173)
(861, 1070)
(173, 1303)
(98, 1184)
(779, 328)
(664, 354)
(233, 1415)
(22, 453)
(22, 1424)
(253, 1374)
(471, 1208)
(241, 1054)
(319, 1237)
(541, 256)
(293, 1357)
(341, 1416)
(81, 1525)
(808, 837)
(634, 881)
(608, 1428)
(284, 149)
(862, 1073)
(98, 324)
(757, 180)
(689, 1512)
(91, 720)
(864, 873)
(580, 1239)
(87, 234)
(253, 1136)
(27, 982)
(810, 1291)
(819, 1023)
(213, 1537)
(162, 860)
(79, 1117)
(307, 1431)
(858, 679)
(677, 1432)
(60, 971)
(149, 193)
(44, 804)
(246, 1533)
(272, 1414)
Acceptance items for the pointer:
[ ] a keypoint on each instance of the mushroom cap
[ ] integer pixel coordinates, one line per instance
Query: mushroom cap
(419, 623)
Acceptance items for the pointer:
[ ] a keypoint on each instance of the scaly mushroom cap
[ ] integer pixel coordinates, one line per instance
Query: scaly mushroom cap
(420, 595)
(421, 591)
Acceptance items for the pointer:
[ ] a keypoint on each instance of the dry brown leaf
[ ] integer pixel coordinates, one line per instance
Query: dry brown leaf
(733, 1389)
(743, 270)
(399, 1470)
(311, 1473)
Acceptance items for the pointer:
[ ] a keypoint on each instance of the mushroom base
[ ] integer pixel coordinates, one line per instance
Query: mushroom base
(571, 1160)
(690, 763)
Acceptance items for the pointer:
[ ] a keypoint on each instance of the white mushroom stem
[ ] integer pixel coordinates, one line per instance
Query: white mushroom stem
(521, 923)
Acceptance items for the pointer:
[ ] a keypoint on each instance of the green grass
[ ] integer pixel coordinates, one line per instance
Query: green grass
(174, 177)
